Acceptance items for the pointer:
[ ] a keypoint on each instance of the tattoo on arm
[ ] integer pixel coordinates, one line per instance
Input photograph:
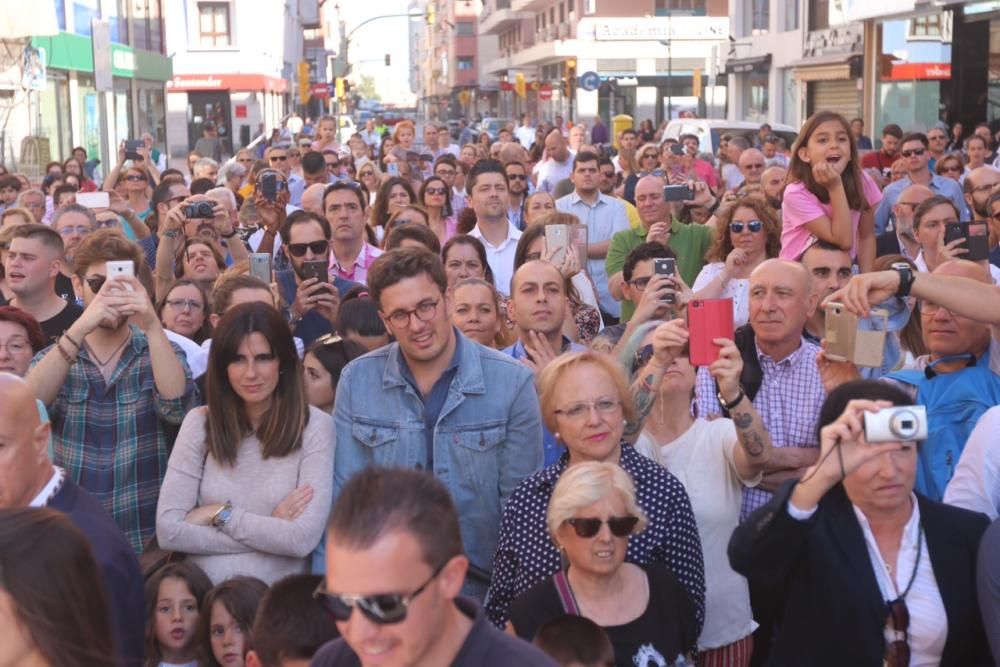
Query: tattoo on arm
(643, 404)
(750, 439)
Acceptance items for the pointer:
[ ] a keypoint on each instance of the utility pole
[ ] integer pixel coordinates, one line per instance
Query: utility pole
(668, 42)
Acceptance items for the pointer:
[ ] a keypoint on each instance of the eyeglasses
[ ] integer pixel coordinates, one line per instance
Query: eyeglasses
(984, 187)
(95, 283)
(294, 154)
(108, 222)
(135, 179)
(516, 177)
(450, 172)
(185, 304)
(317, 247)
(656, 172)
(384, 609)
(620, 526)
(364, 174)
(246, 160)
(15, 345)
(754, 166)
(604, 406)
(928, 308)
(278, 158)
(754, 226)
(640, 283)
(897, 652)
(913, 152)
(937, 137)
(955, 169)
(436, 191)
(424, 311)
(74, 229)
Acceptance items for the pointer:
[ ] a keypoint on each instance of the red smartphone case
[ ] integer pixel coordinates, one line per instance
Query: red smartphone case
(708, 319)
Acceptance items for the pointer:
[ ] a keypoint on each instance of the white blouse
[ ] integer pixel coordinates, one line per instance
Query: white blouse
(738, 289)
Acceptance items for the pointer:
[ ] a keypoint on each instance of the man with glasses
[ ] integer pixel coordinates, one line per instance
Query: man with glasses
(643, 291)
(334, 165)
(937, 141)
(73, 222)
(277, 158)
(517, 189)
(115, 387)
(607, 185)
(436, 401)
(752, 164)
(915, 154)
(32, 199)
(902, 239)
(313, 293)
(351, 255)
(395, 570)
(31, 266)
(446, 168)
(978, 187)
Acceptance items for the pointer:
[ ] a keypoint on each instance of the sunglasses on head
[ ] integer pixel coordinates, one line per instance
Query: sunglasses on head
(754, 226)
(913, 152)
(317, 247)
(384, 609)
(620, 526)
(642, 357)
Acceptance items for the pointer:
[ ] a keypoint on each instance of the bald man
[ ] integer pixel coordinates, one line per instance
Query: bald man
(312, 198)
(751, 164)
(558, 163)
(773, 182)
(28, 479)
(901, 240)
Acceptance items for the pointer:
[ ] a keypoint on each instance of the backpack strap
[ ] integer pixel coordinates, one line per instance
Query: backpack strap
(565, 594)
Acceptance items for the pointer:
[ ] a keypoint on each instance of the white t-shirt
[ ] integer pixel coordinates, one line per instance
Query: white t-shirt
(525, 135)
(702, 459)
(551, 173)
(738, 289)
(976, 484)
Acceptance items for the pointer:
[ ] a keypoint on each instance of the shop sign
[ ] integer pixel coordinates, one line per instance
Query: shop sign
(843, 39)
(250, 82)
(920, 72)
(240, 110)
(321, 91)
(654, 29)
(67, 51)
(123, 60)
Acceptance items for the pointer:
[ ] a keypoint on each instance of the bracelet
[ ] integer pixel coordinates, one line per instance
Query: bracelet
(171, 233)
(731, 404)
(228, 236)
(70, 339)
(65, 355)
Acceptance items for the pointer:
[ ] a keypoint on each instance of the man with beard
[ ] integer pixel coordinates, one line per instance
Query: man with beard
(773, 183)
(558, 164)
(607, 187)
(115, 388)
(517, 189)
(978, 186)
(902, 239)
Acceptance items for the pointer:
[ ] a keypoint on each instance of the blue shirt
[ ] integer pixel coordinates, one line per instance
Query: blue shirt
(939, 185)
(434, 401)
(313, 325)
(550, 446)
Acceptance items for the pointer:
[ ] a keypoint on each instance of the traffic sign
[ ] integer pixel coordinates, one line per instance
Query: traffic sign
(590, 81)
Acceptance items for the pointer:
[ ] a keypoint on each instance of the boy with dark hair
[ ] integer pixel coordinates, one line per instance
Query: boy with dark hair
(290, 625)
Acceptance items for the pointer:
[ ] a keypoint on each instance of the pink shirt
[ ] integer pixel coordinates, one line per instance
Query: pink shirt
(358, 272)
(799, 206)
(706, 172)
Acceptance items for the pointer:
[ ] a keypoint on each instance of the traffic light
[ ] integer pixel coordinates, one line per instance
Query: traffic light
(339, 88)
(569, 77)
(304, 82)
(431, 14)
(388, 60)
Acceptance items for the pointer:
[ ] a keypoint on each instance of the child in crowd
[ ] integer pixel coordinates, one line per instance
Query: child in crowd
(227, 616)
(290, 625)
(575, 641)
(174, 594)
(828, 197)
(326, 135)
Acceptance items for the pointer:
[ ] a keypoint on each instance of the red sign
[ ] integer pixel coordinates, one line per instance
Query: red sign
(920, 71)
(321, 91)
(506, 85)
(241, 111)
(545, 92)
(248, 82)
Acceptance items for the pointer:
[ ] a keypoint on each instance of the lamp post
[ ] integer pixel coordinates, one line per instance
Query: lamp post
(668, 42)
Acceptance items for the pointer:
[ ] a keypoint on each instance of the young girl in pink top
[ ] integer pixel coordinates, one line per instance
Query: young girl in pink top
(326, 135)
(828, 197)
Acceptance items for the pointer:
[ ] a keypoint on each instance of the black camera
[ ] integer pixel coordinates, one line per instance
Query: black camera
(199, 209)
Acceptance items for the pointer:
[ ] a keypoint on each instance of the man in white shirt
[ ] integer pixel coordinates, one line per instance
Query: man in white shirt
(445, 147)
(603, 215)
(559, 164)
(489, 198)
(525, 134)
(626, 147)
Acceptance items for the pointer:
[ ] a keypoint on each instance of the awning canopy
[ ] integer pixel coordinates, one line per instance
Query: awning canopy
(749, 64)
(834, 67)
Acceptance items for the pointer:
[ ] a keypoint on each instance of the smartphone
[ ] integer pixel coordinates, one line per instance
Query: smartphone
(93, 199)
(260, 266)
(392, 169)
(269, 186)
(124, 268)
(677, 193)
(858, 340)
(841, 325)
(315, 269)
(557, 242)
(131, 149)
(677, 149)
(665, 266)
(708, 319)
(975, 234)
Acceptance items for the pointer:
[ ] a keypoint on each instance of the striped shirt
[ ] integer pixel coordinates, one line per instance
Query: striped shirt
(788, 401)
(113, 439)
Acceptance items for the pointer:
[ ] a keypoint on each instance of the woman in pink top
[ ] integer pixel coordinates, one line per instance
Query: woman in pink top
(828, 197)
(326, 135)
(435, 195)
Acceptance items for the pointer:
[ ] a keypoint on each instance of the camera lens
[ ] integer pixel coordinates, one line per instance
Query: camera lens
(903, 425)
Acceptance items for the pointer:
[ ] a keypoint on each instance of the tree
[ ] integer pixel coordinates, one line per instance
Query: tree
(365, 88)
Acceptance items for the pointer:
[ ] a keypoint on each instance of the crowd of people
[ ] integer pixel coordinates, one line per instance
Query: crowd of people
(554, 397)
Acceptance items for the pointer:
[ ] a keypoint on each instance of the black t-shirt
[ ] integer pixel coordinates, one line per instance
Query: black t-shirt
(55, 326)
(64, 290)
(664, 631)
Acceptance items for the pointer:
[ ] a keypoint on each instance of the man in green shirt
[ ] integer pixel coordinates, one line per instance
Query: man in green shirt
(689, 242)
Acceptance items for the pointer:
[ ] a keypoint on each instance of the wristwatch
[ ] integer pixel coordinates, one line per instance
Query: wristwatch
(732, 404)
(906, 278)
(222, 517)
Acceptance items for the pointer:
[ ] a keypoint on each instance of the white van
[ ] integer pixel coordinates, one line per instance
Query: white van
(709, 131)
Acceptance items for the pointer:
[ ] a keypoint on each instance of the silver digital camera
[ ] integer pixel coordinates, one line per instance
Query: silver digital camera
(903, 423)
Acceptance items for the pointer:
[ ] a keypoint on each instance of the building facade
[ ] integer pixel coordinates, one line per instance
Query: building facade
(649, 59)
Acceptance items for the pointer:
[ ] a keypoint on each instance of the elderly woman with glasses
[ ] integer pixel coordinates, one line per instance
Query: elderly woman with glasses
(586, 404)
(750, 234)
(950, 166)
(648, 161)
(591, 517)
(872, 573)
(714, 460)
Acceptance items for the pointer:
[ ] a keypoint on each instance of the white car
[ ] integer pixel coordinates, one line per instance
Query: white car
(709, 131)
(347, 128)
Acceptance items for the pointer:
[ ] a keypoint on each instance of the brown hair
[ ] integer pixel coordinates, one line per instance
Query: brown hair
(504, 336)
(290, 624)
(197, 582)
(801, 171)
(723, 243)
(48, 236)
(950, 157)
(240, 596)
(570, 639)
(105, 245)
(422, 234)
(536, 230)
(378, 215)
(226, 286)
(280, 430)
(204, 331)
(402, 263)
(181, 255)
(391, 222)
(48, 569)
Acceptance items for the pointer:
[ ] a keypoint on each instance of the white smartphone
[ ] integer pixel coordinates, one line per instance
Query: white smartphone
(124, 268)
(260, 266)
(93, 199)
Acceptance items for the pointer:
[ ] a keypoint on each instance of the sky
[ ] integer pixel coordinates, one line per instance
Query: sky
(370, 44)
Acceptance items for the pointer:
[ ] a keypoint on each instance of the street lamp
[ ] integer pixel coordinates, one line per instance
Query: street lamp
(668, 42)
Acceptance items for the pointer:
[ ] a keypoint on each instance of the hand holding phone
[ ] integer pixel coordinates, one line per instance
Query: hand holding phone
(666, 266)
(677, 193)
(709, 319)
(120, 269)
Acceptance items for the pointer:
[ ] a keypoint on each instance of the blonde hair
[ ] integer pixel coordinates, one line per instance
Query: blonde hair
(552, 375)
(587, 483)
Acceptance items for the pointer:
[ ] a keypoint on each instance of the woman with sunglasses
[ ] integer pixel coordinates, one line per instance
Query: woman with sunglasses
(370, 177)
(714, 460)
(748, 234)
(871, 573)
(249, 481)
(435, 195)
(950, 166)
(646, 614)
(586, 403)
(648, 162)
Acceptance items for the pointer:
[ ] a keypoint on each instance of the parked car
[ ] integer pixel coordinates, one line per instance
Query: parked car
(709, 131)
(492, 127)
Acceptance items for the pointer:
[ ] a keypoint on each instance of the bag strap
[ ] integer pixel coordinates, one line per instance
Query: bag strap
(565, 594)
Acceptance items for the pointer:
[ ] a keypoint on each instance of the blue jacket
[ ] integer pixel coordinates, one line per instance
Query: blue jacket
(488, 436)
(313, 325)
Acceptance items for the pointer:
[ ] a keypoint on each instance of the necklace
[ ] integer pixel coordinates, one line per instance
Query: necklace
(103, 364)
(916, 562)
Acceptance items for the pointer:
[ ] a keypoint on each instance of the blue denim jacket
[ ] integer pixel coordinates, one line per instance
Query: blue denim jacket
(488, 437)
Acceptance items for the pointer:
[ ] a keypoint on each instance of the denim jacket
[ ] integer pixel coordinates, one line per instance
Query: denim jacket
(488, 436)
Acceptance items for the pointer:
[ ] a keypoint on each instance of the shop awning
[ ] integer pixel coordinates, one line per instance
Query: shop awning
(749, 64)
(834, 67)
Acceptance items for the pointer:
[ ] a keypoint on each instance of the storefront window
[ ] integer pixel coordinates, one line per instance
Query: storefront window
(993, 79)
(152, 111)
(915, 71)
(122, 130)
(90, 115)
(756, 96)
(52, 121)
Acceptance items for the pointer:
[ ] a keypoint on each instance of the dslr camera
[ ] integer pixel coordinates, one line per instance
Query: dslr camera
(903, 423)
(199, 210)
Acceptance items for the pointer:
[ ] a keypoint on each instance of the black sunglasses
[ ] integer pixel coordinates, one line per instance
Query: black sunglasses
(915, 151)
(317, 247)
(754, 225)
(620, 526)
(516, 177)
(897, 653)
(95, 283)
(383, 609)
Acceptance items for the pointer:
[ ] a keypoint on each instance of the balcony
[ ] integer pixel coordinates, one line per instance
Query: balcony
(499, 19)
(529, 5)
